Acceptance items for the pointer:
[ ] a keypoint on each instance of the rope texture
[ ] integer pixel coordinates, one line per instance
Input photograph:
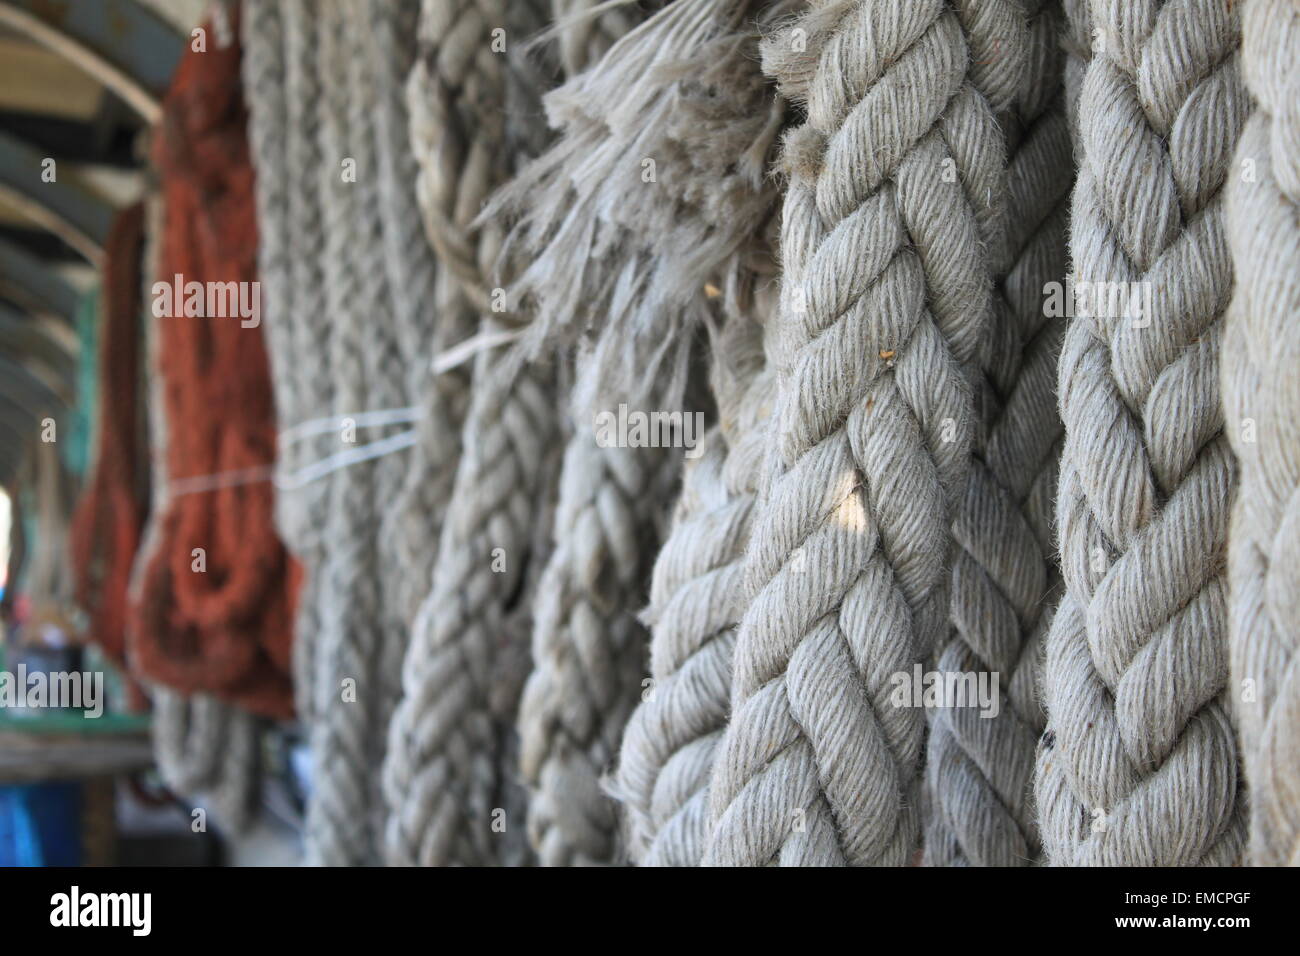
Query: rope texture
(696, 598)
(979, 768)
(587, 665)
(205, 749)
(442, 776)
(219, 622)
(884, 302)
(1138, 766)
(1262, 407)
(111, 512)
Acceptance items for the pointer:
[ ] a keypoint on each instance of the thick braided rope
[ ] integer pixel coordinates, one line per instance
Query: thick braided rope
(413, 521)
(980, 765)
(309, 338)
(442, 777)
(266, 92)
(883, 305)
(371, 80)
(283, 94)
(340, 827)
(1262, 405)
(587, 642)
(1139, 763)
(696, 601)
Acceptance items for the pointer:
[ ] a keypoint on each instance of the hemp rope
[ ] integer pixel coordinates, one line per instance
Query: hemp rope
(283, 93)
(1260, 392)
(657, 178)
(442, 778)
(344, 812)
(587, 665)
(884, 300)
(696, 602)
(586, 640)
(979, 768)
(414, 519)
(1138, 766)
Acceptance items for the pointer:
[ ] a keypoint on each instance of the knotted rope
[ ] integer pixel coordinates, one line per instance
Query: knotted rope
(1139, 764)
(1262, 405)
(442, 777)
(215, 597)
(884, 301)
(980, 766)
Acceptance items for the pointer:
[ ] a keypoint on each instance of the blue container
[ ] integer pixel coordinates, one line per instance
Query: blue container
(40, 825)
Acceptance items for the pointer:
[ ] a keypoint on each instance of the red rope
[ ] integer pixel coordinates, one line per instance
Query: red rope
(110, 516)
(227, 629)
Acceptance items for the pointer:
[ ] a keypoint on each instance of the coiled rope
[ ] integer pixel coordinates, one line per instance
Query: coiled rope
(215, 598)
(205, 749)
(884, 302)
(1139, 762)
(979, 766)
(1262, 407)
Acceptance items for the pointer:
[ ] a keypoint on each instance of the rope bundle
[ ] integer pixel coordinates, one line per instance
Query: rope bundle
(1139, 762)
(1262, 412)
(216, 596)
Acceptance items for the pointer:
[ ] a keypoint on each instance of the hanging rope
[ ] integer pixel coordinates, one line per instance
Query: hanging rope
(441, 776)
(587, 667)
(110, 515)
(215, 600)
(884, 300)
(980, 765)
(343, 814)
(414, 520)
(1138, 766)
(205, 749)
(1262, 408)
(696, 602)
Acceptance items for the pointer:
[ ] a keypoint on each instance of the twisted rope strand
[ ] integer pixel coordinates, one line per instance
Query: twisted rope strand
(884, 300)
(340, 816)
(441, 778)
(980, 765)
(1262, 407)
(671, 739)
(1139, 762)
